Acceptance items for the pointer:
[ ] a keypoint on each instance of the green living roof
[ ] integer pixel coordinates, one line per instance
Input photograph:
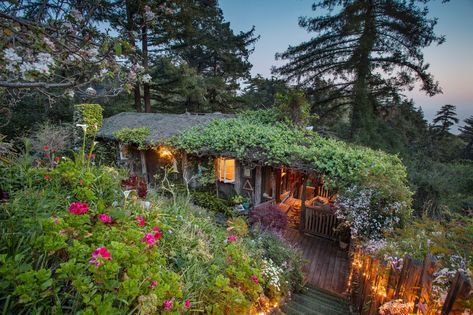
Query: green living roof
(257, 136)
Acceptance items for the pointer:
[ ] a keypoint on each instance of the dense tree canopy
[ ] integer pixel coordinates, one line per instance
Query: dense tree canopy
(366, 51)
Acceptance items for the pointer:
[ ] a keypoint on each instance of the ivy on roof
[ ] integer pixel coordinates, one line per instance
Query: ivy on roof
(259, 136)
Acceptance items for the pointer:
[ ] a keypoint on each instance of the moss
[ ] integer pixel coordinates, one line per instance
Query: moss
(133, 136)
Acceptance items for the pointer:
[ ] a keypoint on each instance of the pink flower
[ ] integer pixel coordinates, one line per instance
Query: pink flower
(231, 238)
(153, 284)
(57, 159)
(149, 238)
(46, 177)
(105, 218)
(157, 233)
(141, 220)
(167, 305)
(46, 148)
(254, 279)
(100, 254)
(187, 304)
(78, 208)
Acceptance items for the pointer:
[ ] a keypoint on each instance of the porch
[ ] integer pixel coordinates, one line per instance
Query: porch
(327, 265)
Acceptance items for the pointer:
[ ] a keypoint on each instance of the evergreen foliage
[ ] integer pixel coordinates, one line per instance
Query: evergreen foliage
(467, 136)
(445, 118)
(366, 51)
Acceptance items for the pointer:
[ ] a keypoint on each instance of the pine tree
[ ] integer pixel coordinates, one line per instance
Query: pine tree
(445, 118)
(367, 50)
(466, 134)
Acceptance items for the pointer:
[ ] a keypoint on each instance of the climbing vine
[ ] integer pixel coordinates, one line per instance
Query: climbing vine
(260, 136)
(133, 136)
(90, 115)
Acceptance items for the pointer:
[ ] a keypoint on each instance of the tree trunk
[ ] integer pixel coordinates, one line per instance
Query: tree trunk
(146, 88)
(363, 109)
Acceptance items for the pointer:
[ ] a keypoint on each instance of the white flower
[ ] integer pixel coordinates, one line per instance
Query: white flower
(11, 59)
(49, 43)
(83, 126)
(126, 193)
(146, 78)
(91, 91)
(149, 15)
(69, 93)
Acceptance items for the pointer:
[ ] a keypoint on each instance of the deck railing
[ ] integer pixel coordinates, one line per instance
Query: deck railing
(373, 282)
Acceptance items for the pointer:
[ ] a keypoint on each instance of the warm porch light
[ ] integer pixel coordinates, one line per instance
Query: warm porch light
(165, 153)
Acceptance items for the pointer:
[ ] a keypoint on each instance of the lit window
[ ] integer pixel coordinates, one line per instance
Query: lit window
(226, 170)
(124, 151)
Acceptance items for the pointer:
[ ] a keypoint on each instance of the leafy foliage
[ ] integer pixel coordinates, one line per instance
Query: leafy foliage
(269, 217)
(132, 135)
(111, 258)
(211, 202)
(276, 143)
(90, 115)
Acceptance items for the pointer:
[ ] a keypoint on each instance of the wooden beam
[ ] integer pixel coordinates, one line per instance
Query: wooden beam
(303, 198)
(258, 184)
(278, 185)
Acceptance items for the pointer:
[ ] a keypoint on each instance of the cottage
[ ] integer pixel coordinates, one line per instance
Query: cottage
(300, 193)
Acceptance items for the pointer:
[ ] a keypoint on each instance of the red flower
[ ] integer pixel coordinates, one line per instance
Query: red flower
(141, 220)
(231, 238)
(187, 303)
(105, 218)
(153, 284)
(254, 279)
(149, 238)
(78, 208)
(100, 254)
(46, 177)
(46, 148)
(157, 233)
(57, 159)
(167, 305)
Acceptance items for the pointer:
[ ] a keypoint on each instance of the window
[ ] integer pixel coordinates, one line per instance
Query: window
(226, 170)
(124, 152)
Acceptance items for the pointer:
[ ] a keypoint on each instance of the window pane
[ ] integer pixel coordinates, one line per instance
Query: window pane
(230, 170)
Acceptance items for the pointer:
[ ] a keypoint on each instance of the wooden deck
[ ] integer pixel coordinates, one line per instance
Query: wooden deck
(327, 264)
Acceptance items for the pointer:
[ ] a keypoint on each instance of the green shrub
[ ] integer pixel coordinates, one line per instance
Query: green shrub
(47, 262)
(211, 202)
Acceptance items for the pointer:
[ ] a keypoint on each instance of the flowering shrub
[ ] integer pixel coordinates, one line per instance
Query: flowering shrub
(88, 254)
(395, 307)
(273, 275)
(368, 213)
(269, 217)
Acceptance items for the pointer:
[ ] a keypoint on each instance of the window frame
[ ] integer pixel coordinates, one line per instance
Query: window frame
(222, 171)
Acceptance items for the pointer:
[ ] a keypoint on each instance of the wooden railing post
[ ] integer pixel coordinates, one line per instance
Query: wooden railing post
(303, 198)
(460, 288)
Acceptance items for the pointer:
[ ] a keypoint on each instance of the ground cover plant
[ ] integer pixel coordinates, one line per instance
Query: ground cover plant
(74, 241)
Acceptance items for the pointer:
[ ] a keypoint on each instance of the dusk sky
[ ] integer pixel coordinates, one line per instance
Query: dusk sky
(276, 21)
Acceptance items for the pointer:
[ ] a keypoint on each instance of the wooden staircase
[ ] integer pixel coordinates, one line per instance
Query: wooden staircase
(315, 301)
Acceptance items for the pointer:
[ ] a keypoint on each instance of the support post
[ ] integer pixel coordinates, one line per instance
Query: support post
(303, 198)
(258, 182)
(278, 185)
(185, 168)
(237, 177)
(144, 171)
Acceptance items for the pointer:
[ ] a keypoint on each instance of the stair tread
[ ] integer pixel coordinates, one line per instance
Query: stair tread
(315, 301)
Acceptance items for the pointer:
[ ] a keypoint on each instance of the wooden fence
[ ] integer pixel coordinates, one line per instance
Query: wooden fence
(373, 282)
